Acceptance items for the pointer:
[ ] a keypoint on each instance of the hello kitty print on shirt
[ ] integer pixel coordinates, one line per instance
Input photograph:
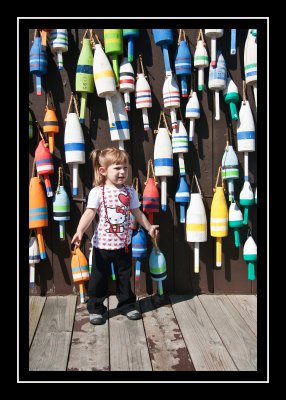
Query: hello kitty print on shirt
(113, 228)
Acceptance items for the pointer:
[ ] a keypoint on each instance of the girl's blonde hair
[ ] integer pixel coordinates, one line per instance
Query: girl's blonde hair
(105, 158)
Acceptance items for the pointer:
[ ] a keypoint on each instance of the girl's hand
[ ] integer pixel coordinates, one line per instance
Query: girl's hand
(153, 231)
(76, 239)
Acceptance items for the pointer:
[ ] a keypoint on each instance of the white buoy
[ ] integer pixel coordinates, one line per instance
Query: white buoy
(180, 145)
(74, 147)
(196, 226)
(119, 129)
(193, 112)
(171, 97)
(217, 81)
(34, 258)
(201, 61)
(213, 34)
(250, 62)
(250, 255)
(163, 162)
(59, 42)
(126, 81)
(143, 98)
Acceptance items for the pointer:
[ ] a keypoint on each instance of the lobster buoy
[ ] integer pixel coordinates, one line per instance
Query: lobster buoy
(79, 267)
(163, 38)
(196, 226)
(74, 147)
(219, 221)
(230, 171)
(38, 212)
(171, 98)
(61, 209)
(143, 98)
(157, 265)
(193, 112)
(183, 65)
(213, 34)
(180, 145)
(201, 61)
(44, 164)
(30, 126)
(38, 63)
(151, 199)
(163, 162)
(59, 42)
(34, 258)
(250, 256)
(130, 34)
(231, 96)
(182, 197)
(235, 221)
(51, 126)
(119, 128)
(139, 249)
(84, 81)
(113, 44)
(217, 81)
(246, 199)
(250, 62)
(126, 81)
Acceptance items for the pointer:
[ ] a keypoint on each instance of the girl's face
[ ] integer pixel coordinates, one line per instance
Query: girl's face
(115, 174)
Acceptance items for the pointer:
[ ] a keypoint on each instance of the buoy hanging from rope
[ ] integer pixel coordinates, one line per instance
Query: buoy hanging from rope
(250, 62)
(235, 221)
(151, 197)
(193, 112)
(59, 42)
(130, 34)
(250, 256)
(163, 38)
(213, 34)
(183, 64)
(119, 128)
(126, 81)
(61, 205)
(38, 62)
(217, 81)
(201, 60)
(44, 164)
(113, 44)
(34, 258)
(231, 96)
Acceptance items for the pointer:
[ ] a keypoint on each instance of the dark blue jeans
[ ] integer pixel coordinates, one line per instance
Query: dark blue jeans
(98, 282)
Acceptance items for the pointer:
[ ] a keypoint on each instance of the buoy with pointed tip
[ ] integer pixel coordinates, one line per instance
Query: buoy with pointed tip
(30, 126)
(143, 98)
(163, 38)
(38, 63)
(219, 221)
(233, 41)
(254, 32)
(74, 147)
(193, 112)
(139, 249)
(217, 81)
(59, 42)
(130, 34)
(38, 212)
(34, 258)
(44, 164)
(250, 63)
(61, 209)
(182, 197)
(171, 97)
(84, 81)
(126, 81)
(213, 34)
(180, 145)
(231, 96)
(196, 226)
(201, 61)
(246, 199)
(104, 78)
(51, 126)
(113, 44)
(79, 267)
(163, 162)
(250, 256)
(119, 128)
(157, 265)
(230, 171)
(235, 221)
(183, 65)
(151, 199)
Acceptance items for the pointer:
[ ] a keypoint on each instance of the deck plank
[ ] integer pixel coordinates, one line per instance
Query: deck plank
(90, 344)
(128, 346)
(50, 348)
(237, 337)
(167, 349)
(36, 305)
(246, 305)
(206, 349)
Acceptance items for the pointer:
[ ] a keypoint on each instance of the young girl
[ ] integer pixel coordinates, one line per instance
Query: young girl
(112, 200)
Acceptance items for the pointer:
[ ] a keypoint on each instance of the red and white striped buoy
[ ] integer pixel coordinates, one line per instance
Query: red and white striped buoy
(171, 97)
(126, 81)
(143, 98)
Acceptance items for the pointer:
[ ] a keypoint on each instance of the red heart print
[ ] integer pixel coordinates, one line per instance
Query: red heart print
(124, 199)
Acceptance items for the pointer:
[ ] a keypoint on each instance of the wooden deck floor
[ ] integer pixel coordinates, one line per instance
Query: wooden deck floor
(177, 333)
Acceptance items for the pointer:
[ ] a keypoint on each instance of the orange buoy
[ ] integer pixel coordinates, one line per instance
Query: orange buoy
(51, 126)
(79, 266)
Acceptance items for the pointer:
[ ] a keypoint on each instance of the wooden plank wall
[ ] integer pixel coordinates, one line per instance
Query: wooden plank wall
(53, 275)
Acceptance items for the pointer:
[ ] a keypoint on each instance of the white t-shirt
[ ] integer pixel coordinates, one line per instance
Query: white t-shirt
(111, 230)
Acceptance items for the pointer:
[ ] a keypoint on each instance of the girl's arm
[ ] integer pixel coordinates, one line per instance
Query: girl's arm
(143, 221)
(83, 224)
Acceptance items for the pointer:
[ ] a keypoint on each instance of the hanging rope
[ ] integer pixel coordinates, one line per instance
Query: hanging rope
(73, 98)
(219, 175)
(33, 169)
(40, 133)
(135, 184)
(162, 115)
(201, 37)
(49, 97)
(197, 182)
(60, 179)
(140, 64)
(181, 115)
(150, 165)
(244, 97)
